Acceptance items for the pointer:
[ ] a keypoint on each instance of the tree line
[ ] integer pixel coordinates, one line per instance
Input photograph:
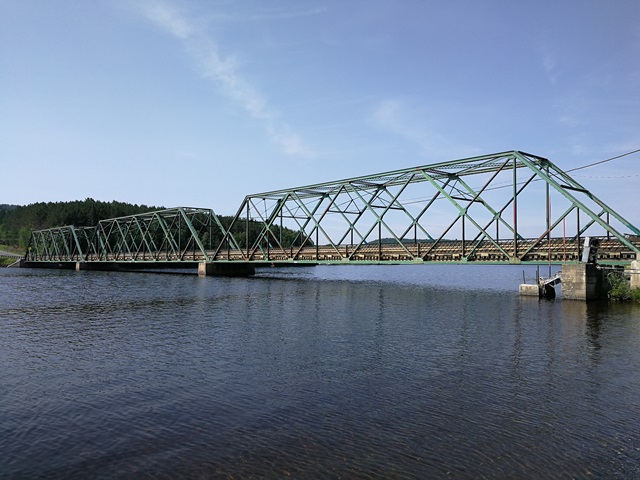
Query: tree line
(17, 222)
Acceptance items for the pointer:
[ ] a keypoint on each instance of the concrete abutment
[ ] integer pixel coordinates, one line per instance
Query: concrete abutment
(635, 274)
(584, 281)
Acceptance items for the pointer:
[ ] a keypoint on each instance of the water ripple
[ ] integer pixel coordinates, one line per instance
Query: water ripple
(372, 373)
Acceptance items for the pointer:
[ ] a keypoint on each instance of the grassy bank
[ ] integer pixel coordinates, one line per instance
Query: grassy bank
(5, 262)
(11, 249)
(621, 289)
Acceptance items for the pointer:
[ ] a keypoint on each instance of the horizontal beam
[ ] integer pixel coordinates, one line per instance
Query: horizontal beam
(393, 177)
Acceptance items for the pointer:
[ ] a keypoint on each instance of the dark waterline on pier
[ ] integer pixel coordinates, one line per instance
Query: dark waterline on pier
(326, 372)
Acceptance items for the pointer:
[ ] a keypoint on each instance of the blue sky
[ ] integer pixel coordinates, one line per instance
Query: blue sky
(198, 103)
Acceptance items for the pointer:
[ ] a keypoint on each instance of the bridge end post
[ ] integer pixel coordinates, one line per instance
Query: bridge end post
(206, 269)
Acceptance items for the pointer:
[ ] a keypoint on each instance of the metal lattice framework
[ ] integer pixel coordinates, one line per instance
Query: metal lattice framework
(173, 235)
(474, 209)
(59, 244)
(510, 207)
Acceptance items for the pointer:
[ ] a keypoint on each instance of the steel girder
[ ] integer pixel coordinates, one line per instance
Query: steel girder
(482, 207)
(60, 244)
(171, 235)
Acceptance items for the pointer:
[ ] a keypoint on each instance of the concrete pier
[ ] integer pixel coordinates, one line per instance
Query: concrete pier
(530, 290)
(97, 266)
(584, 281)
(225, 269)
(635, 274)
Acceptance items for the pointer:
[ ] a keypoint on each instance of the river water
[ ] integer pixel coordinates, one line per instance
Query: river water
(325, 372)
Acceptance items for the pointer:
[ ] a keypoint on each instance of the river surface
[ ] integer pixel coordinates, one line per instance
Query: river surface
(326, 372)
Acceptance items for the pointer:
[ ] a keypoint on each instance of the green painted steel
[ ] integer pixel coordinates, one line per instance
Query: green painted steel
(60, 244)
(172, 235)
(433, 213)
(508, 207)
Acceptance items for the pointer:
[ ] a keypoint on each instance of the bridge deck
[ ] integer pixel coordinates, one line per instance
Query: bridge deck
(447, 251)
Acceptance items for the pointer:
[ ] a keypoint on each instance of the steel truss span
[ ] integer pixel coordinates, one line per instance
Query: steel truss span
(510, 207)
(174, 235)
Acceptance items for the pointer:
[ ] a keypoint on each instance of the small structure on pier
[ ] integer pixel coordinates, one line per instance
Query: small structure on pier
(584, 281)
(543, 288)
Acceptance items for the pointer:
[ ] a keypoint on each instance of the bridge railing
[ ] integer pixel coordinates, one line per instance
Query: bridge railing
(558, 250)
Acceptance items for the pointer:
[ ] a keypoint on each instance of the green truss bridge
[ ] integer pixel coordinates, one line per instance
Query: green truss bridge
(505, 208)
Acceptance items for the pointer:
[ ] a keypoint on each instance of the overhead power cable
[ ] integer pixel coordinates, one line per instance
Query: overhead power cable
(604, 161)
(508, 184)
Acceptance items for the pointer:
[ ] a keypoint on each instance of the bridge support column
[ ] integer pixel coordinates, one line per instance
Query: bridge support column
(225, 269)
(583, 281)
(635, 274)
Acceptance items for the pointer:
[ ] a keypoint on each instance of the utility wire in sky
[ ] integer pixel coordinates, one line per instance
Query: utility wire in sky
(507, 184)
(604, 161)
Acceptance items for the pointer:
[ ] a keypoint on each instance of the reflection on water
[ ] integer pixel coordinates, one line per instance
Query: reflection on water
(403, 372)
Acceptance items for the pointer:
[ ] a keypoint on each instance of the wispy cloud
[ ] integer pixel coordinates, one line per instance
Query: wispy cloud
(277, 14)
(548, 62)
(223, 71)
(168, 18)
(397, 117)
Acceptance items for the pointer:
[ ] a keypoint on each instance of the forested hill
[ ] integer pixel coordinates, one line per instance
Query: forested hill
(16, 222)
